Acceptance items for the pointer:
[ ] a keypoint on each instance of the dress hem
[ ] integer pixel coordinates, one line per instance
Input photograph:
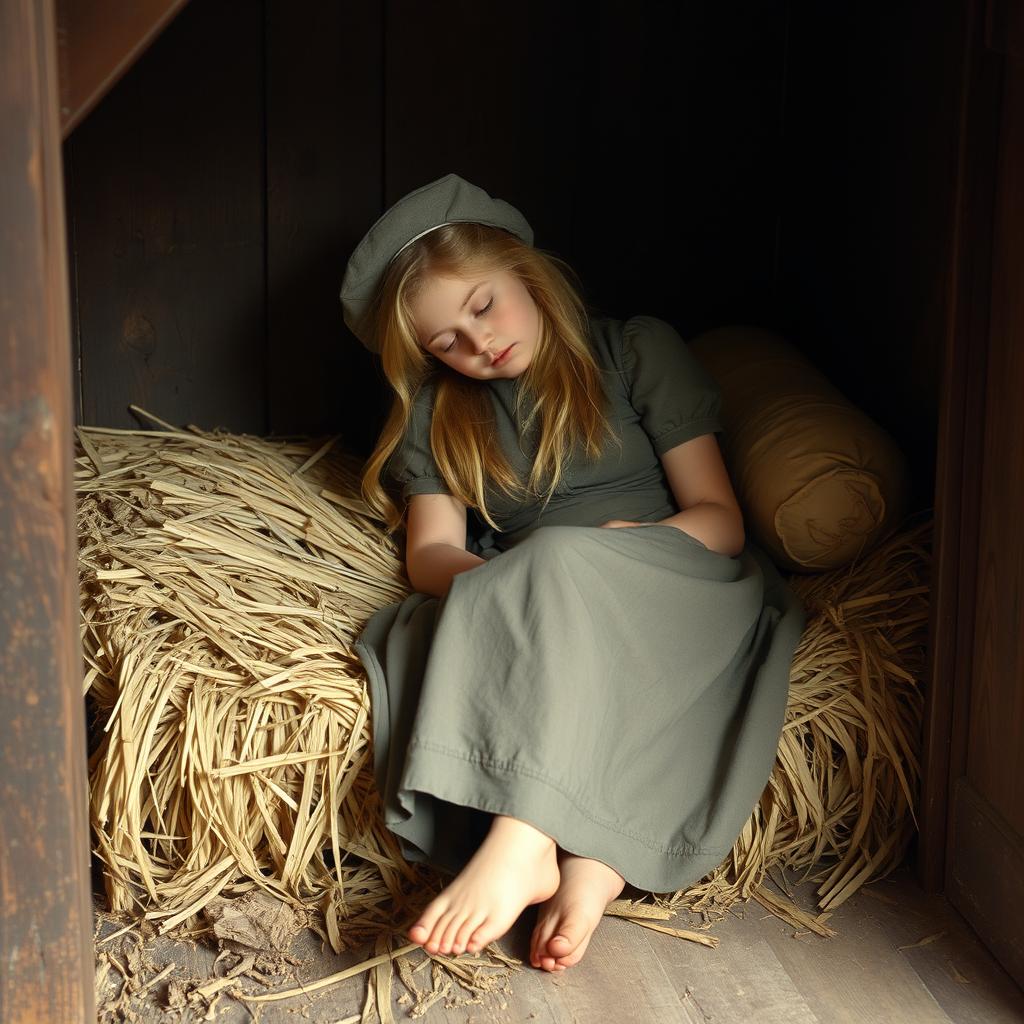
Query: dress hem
(495, 788)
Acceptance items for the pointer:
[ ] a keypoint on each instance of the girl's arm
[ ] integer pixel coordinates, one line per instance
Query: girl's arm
(703, 491)
(435, 543)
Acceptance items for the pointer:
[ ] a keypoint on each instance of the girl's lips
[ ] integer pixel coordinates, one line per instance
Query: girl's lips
(503, 356)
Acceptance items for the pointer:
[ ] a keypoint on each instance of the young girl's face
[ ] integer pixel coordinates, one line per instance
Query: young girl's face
(485, 326)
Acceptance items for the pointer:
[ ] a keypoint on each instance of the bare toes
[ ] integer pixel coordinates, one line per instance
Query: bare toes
(480, 937)
(425, 925)
(451, 931)
(462, 938)
(573, 927)
(437, 936)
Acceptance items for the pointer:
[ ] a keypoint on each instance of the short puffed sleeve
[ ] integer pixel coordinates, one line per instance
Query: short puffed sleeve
(411, 465)
(676, 397)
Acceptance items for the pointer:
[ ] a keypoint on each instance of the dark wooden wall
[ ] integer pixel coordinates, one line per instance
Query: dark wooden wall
(755, 162)
(871, 127)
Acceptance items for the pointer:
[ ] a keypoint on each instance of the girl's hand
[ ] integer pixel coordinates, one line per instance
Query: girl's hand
(618, 523)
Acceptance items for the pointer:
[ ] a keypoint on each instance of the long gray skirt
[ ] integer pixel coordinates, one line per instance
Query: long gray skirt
(622, 690)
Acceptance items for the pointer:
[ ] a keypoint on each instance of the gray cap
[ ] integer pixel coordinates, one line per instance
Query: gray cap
(448, 200)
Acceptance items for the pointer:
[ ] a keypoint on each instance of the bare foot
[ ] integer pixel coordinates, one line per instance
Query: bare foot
(567, 920)
(514, 867)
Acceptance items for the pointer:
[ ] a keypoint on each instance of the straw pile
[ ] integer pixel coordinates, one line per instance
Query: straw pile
(223, 579)
(221, 586)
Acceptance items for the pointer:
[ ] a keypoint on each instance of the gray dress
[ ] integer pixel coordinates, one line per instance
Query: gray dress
(622, 690)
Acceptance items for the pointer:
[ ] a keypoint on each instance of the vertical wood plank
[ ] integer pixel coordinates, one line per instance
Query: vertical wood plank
(995, 761)
(679, 170)
(965, 284)
(325, 82)
(986, 850)
(168, 219)
(45, 929)
(492, 98)
(870, 156)
(640, 141)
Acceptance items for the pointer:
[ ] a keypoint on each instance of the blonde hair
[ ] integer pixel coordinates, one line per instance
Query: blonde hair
(563, 376)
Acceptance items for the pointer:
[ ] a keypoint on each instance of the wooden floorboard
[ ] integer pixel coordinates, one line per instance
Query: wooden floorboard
(624, 980)
(856, 976)
(740, 980)
(900, 957)
(953, 964)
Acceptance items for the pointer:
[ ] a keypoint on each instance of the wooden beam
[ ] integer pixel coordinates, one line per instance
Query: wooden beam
(98, 41)
(46, 922)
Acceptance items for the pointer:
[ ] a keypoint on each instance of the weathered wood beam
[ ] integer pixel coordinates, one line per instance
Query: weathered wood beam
(46, 923)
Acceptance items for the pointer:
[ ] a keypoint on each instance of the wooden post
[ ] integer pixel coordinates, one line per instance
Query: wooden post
(46, 927)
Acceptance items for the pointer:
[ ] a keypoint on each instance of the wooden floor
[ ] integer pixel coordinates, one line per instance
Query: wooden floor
(900, 956)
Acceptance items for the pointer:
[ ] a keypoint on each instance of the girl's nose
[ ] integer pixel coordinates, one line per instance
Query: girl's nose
(481, 339)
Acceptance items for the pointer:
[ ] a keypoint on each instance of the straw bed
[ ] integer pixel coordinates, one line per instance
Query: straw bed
(223, 580)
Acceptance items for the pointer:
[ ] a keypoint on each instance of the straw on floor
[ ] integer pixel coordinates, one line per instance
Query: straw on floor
(223, 579)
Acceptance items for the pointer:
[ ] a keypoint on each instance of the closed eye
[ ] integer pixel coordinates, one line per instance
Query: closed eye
(481, 312)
